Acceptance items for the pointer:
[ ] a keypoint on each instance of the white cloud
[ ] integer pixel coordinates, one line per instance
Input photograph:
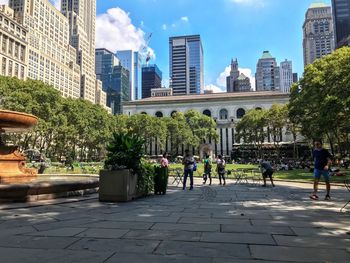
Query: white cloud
(221, 80)
(184, 19)
(115, 31)
(213, 88)
(4, 2)
(164, 27)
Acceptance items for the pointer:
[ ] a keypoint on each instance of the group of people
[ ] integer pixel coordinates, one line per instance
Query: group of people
(321, 157)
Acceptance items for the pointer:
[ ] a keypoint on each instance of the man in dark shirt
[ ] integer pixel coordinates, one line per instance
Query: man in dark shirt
(267, 171)
(322, 159)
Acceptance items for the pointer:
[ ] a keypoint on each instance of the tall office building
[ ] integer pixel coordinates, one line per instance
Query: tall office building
(81, 16)
(237, 82)
(186, 65)
(318, 32)
(286, 78)
(51, 58)
(131, 61)
(267, 73)
(151, 79)
(295, 77)
(13, 45)
(341, 19)
(114, 78)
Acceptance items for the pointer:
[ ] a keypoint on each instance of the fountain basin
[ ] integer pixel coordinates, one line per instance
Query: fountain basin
(16, 122)
(49, 187)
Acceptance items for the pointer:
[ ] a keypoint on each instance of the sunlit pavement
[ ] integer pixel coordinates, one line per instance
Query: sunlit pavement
(235, 223)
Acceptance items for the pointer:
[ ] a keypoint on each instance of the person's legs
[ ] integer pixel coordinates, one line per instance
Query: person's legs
(205, 177)
(327, 179)
(219, 174)
(271, 179)
(223, 177)
(264, 178)
(185, 179)
(317, 176)
(209, 174)
(191, 178)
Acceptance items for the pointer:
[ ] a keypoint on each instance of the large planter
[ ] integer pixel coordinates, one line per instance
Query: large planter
(117, 186)
(160, 180)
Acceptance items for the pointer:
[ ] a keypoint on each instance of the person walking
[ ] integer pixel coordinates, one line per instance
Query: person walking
(207, 169)
(267, 171)
(221, 165)
(188, 163)
(322, 159)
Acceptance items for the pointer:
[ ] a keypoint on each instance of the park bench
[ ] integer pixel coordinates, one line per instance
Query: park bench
(347, 185)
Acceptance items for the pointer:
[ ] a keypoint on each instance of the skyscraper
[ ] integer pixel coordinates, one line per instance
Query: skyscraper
(130, 60)
(151, 79)
(318, 32)
(186, 65)
(267, 73)
(295, 77)
(81, 15)
(51, 57)
(341, 18)
(237, 82)
(114, 78)
(286, 72)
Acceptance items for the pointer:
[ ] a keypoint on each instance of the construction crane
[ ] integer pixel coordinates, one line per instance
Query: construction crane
(145, 48)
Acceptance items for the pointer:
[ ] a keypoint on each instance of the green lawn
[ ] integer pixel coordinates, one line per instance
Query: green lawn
(294, 175)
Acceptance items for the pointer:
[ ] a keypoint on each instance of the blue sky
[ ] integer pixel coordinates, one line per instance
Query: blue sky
(229, 29)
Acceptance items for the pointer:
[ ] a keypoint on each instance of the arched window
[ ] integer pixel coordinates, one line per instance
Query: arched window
(173, 113)
(258, 108)
(240, 113)
(207, 113)
(144, 113)
(159, 114)
(223, 114)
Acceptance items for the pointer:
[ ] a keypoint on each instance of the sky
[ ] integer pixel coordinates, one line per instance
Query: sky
(240, 29)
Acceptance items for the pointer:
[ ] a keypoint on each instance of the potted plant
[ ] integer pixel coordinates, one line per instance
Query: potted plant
(123, 168)
(160, 180)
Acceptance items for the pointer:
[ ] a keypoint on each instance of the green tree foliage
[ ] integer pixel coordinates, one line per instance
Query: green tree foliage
(320, 105)
(79, 130)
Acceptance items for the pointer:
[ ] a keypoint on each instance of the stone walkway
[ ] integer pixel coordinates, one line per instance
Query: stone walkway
(210, 224)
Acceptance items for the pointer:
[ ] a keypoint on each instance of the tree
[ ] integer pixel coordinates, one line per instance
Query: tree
(320, 104)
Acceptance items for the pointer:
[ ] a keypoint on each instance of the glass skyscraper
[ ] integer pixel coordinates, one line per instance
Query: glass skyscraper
(151, 79)
(114, 78)
(186, 65)
(341, 17)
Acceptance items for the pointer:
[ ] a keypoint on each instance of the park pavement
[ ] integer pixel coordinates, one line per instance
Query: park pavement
(235, 223)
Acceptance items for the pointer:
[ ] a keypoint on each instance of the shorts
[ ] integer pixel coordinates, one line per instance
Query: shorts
(267, 174)
(318, 173)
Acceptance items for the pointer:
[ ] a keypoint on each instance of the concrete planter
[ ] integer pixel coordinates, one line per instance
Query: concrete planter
(117, 186)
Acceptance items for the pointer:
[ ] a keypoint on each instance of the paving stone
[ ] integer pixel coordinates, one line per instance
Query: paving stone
(299, 254)
(316, 242)
(195, 220)
(119, 225)
(202, 249)
(187, 227)
(163, 235)
(116, 245)
(37, 242)
(257, 229)
(16, 255)
(320, 232)
(238, 238)
(103, 233)
(59, 232)
(15, 231)
(135, 258)
(66, 223)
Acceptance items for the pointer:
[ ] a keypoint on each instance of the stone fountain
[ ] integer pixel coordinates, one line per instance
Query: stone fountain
(12, 162)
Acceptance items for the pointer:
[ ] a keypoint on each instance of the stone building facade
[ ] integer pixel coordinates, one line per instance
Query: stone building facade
(226, 108)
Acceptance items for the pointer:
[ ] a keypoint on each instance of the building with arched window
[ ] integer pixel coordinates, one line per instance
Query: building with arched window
(225, 108)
